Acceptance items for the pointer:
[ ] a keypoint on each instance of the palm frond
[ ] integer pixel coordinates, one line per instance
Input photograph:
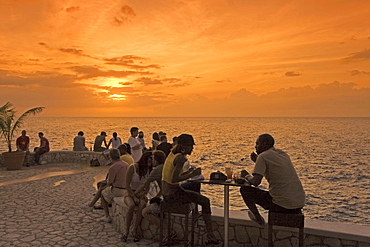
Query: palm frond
(8, 124)
(17, 125)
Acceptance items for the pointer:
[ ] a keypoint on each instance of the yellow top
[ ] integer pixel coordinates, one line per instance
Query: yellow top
(168, 168)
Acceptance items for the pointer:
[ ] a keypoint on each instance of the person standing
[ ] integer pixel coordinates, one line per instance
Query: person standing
(141, 140)
(79, 142)
(285, 195)
(44, 148)
(135, 145)
(165, 146)
(173, 174)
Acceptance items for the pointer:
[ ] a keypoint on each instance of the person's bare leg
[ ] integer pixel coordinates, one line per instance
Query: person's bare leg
(208, 223)
(147, 214)
(129, 214)
(97, 196)
(105, 206)
(139, 215)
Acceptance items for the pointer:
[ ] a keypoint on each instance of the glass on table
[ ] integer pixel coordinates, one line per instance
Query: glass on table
(229, 172)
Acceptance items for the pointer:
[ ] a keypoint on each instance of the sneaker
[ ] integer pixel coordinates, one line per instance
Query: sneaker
(106, 219)
(87, 208)
(260, 222)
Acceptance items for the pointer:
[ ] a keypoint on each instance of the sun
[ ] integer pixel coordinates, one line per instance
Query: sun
(117, 97)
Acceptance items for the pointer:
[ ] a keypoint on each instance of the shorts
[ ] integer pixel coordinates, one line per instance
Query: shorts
(111, 192)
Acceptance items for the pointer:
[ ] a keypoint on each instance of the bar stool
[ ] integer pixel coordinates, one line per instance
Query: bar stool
(286, 220)
(168, 208)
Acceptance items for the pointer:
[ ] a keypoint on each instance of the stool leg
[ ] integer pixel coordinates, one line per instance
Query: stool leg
(161, 230)
(270, 233)
(169, 229)
(300, 237)
(192, 227)
(186, 233)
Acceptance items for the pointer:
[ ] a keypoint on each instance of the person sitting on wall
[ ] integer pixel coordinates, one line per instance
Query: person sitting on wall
(116, 182)
(23, 144)
(285, 195)
(44, 148)
(125, 156)
(79, 142)
(99, 140)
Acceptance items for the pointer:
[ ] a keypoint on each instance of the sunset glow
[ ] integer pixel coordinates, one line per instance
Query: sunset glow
(187, 58)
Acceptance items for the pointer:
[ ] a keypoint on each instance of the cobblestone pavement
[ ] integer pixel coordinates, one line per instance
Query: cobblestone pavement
(36, 211)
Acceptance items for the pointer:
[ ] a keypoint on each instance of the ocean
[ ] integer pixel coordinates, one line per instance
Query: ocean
(331, 155)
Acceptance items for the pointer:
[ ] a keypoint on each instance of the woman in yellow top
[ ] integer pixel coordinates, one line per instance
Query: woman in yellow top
(173, 174)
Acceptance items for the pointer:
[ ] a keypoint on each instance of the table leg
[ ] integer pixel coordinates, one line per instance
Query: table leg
(226, 215)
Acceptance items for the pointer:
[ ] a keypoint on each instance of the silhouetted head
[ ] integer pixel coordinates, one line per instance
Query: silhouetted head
(264, 142)
(80, 133)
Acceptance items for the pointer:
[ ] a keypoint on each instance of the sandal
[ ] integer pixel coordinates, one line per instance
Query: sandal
(136, 235)
(124, 238)
(211, 242)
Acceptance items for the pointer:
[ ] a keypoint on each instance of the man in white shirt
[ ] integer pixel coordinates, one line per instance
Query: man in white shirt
(285, 195)
(136, 146)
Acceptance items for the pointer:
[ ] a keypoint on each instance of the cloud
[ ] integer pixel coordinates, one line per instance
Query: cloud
(363, 55)
(327, 100)
(88, 72)
(157, 81)
(149, 81)
(73, 52)
(73, 9)
(123, 15)
(129, 60)
(357, 72)
(292, 73)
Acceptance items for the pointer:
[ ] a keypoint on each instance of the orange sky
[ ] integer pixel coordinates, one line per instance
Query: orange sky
(186, 57)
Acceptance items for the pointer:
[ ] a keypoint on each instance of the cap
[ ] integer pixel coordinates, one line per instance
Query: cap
(185, 139)
(103, 133)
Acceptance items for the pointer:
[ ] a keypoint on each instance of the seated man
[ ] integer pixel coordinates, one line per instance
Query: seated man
(79, 142)
(44, 147)
(116, 182)
(23, 144)
(285, 195)
(99, 140)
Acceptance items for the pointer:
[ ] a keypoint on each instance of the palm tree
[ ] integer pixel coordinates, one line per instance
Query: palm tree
(9, 125)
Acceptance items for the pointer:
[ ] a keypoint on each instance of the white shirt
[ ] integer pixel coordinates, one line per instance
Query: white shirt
(135, 153)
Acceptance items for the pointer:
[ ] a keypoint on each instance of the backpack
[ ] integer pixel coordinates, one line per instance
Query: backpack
(94, 162)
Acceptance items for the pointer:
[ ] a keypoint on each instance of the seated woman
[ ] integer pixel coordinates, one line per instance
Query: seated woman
(136, 174)
(173, 174)
(151, 211)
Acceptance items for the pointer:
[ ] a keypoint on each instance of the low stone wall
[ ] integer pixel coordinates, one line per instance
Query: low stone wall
(63, 156)
(244, 232)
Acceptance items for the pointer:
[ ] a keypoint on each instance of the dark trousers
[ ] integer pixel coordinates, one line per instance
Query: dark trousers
(38, 153)
(186, 196)
(264, 199)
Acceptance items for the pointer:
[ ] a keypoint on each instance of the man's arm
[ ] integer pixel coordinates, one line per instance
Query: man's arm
(254, 179)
